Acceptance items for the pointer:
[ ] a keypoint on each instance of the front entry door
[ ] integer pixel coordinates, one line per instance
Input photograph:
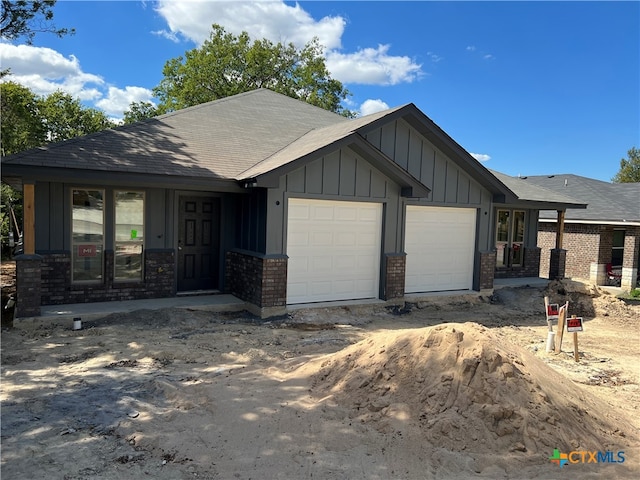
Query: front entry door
(198, 243)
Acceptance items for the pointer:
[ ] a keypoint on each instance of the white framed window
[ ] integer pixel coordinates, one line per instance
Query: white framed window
(129, 235)
(87, 235)
(510, 234)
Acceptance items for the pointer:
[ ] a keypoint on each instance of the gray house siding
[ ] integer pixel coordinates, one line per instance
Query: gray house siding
(53, 241)
(340, 175)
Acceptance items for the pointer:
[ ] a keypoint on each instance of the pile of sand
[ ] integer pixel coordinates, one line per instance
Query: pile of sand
(462, 388)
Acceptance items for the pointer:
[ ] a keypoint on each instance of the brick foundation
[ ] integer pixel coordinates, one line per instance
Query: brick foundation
(530, 266)
(395, 265)
(57, 288)
(28, 285)
(557, 263)
(487, 269)
(256, 278)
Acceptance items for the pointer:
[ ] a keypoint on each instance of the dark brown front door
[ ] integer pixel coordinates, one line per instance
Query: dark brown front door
(198, 243)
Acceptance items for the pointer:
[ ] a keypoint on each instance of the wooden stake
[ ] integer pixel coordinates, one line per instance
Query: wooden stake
(562, 315)
(576, 356)
(546, 312)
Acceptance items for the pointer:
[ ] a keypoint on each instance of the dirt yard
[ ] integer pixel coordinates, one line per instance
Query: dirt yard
(457, 388)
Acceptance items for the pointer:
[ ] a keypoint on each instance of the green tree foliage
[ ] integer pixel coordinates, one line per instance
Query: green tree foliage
(21, 127)
(9, 199)
(140, 111)
(226, 65)
(21, 18)
(64, 117)
(629, 168)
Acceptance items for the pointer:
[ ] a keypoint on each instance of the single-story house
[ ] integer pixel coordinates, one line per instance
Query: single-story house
(603, 238)
(273, 200)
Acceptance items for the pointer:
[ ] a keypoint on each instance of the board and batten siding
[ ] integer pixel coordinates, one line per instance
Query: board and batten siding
(409, 149)
(450, 185)
(339, 175)
(53, 215)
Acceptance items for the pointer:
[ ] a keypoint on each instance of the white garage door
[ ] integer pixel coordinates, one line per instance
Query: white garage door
(440, 245)
(334, 250)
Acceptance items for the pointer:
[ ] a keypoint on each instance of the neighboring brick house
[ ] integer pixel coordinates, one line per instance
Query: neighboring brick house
(606, 233)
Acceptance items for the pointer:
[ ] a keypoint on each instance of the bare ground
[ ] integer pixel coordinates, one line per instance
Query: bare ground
(449, 388)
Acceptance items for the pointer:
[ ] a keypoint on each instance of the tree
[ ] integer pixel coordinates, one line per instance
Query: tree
(140, 111)
(226, 65)
(65, 117)
(25, 18)
(629, 168)
(21, 127)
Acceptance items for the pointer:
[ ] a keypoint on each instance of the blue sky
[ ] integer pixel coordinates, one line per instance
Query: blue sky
(529, 88)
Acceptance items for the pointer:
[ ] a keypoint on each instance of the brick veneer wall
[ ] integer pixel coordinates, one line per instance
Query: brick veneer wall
(256, 278)
(28, 285)
(487, 269)
(557, 264)
(395, 265)
(530, 265)
(632, 247)
(585, 244)
(57, 289)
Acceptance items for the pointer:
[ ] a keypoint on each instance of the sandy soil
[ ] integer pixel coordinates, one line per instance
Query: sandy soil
(449, 388)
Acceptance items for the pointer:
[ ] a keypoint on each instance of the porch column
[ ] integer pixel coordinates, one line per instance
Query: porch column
(29, 219)
(558, 260)
(560, 229)
(28, 264)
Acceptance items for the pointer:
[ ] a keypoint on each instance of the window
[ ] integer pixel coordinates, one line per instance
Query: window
(510, 231)
(129, 235)
(87, 238)
(617, 250)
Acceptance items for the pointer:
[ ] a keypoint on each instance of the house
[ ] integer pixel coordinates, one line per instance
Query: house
(272, 200)
(605, 237)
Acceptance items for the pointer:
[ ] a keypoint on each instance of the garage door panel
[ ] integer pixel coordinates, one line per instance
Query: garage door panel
(342, 251)
(321, 238)
(440, 246)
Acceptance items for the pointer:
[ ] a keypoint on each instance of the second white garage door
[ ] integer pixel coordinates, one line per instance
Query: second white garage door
(440, 246)
(334, 250)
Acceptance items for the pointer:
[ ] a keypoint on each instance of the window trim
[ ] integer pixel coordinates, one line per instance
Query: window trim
(116, 243)
(510, 245)
(75, 245)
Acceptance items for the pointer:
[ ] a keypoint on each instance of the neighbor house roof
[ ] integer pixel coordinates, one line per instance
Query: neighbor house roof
(609, 203)
(537, 196)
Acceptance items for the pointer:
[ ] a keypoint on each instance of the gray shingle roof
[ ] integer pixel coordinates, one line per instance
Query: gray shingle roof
(531, 192)
(219, 139)
(311, 142)
(607, 202)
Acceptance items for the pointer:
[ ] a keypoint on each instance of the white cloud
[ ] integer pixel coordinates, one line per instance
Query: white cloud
(280, 22)
(45, 71)
(372, 106)
(118, 100)
(273, 20)
(481, 157)
(372, 66)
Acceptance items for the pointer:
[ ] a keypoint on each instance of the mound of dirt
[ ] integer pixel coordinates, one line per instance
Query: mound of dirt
(461, 387)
